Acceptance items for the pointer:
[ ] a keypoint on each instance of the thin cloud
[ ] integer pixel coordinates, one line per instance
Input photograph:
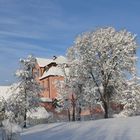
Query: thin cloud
(46, 28)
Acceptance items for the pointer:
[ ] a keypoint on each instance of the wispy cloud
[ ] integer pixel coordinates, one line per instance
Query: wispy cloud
(46, 28)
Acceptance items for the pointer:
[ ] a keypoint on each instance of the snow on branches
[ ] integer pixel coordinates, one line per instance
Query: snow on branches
(130, 98)
(25, 92)
(102, 60)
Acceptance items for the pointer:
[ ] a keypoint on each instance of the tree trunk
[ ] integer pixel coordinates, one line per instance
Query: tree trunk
(25, 119)
(91, 112)
(105, 109)
(73, 107)
(69, 115)
(73, 113)
(79, 114)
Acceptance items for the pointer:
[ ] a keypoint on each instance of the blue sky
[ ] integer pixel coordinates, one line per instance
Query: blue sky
(48, 27)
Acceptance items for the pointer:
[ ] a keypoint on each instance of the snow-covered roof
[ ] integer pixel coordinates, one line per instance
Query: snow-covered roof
(54, 71)
(61, 60)
(45, 99)
(38, 113)
(5, 92)
(42, 62)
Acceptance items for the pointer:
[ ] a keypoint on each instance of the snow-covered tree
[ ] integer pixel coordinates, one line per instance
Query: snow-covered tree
(10, 131)
(2, 109)
(103, 59)
(75, 86)
(66, 90)
(26, 91)
(63, 91)
(131, 98)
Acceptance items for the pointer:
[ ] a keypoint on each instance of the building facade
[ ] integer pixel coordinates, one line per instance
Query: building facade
(47, 72)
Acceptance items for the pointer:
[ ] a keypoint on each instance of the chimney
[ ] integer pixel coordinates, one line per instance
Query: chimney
(54, 57)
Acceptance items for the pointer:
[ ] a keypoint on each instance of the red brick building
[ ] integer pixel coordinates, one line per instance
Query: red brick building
(47, 72)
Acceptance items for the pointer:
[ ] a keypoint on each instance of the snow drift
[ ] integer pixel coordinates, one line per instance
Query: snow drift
(106, 129)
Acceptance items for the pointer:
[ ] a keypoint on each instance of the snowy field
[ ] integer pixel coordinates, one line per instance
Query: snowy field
(111, 129)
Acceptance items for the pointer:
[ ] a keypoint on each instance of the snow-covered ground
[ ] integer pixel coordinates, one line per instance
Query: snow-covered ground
(105, 129)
